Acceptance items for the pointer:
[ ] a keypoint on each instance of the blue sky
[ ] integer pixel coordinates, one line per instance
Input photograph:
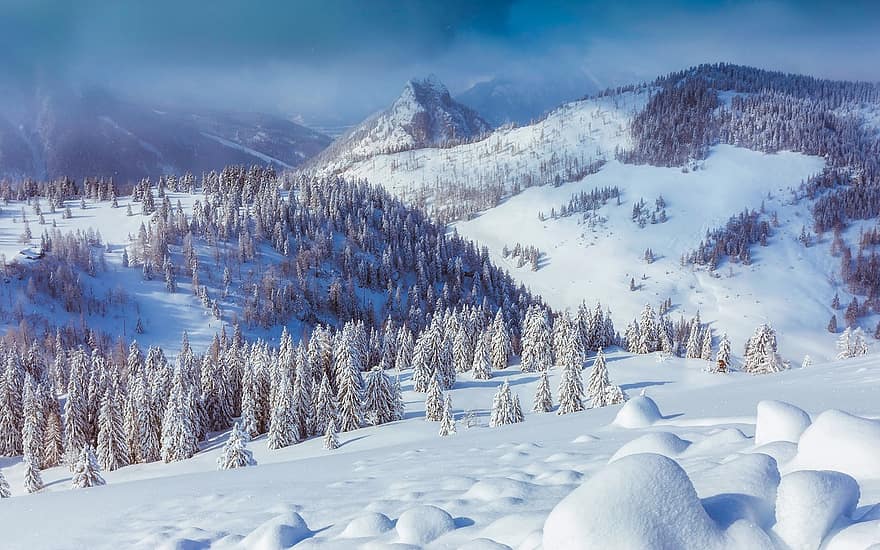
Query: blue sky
(299, 56)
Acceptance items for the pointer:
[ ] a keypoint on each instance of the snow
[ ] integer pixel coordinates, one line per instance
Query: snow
(279, 533)
(840, 441)
(369, 524)
(638, 412)
(641, 501)
(662, 443)
(812, 503)
(490, 486)
(422, 524)
(779, 421)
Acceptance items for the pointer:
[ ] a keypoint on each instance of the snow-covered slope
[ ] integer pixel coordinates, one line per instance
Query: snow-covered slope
(498, 486)
(424, 115)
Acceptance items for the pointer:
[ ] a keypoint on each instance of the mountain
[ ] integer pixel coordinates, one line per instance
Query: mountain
(424, 115)
(503, 100)
(66, 133)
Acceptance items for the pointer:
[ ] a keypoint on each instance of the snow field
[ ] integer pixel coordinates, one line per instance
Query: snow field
(404, 486)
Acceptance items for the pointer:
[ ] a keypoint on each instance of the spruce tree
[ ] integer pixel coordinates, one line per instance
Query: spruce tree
(761, 356)
(33, 481)
(235, 452)
(434, 402)
(518, 415)
(447, 422)
(482, 369)
(382, 401)
(571, 390)
(503, 411)
(543, 397)
(86, 472)
(34, 422)
(331, 439)
(536, 343)
(350, 414)
(722, 358)
(500, 350)
(4, 487)
(807, 362)
(599, 381)
(112, 448)
(283, 428)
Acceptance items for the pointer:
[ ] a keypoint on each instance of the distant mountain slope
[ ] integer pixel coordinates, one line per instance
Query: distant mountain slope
(503, 100)
(424, 115)
(97, 134)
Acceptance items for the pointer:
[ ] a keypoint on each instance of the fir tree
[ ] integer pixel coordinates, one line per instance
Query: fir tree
(331, 439)
(500, 350)
(235, 452)
(761, 356)
(34, 422)
(112, 448)
(4, 487)
(808, 361)
(86, 472)
(832, 325)
(447, 422)
(503, 408)
(722, 358)
(33, 482)
(706, 349)
(434, 402)
(600, 389)
(571, 390)
(482, 369)
(350, 414)
(382, 401)
(543, 397)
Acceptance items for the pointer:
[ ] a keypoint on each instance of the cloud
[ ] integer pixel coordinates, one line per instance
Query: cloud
(345, 58)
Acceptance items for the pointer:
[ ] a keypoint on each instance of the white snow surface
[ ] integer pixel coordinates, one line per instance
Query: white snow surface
(401, 485)
(779, 421)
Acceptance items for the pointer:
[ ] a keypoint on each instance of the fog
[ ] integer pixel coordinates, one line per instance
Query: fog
(335, 61)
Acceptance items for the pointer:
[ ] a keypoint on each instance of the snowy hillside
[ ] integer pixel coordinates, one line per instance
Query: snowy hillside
(509, 487)
(424, 115)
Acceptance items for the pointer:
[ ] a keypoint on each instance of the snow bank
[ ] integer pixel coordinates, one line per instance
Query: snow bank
(369, 524)
(743, 488)
(865, 534)
(493, 488)
(640, 501)
(638, 412)
(513, 529)
(810, 504)
(840, 441)
(779, 421)
(661, 443)
(280, 532)
(483, 544)
(422, 524)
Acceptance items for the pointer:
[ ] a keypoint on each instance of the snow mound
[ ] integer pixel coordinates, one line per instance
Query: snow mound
(278, 533)
(585, 438)
(862, 535)
(561, 477)
(640, 501)
(810, 504)
(779, 421)
(513, 529)
(782, 451)
(370, 524)
(661, 443)
(710, 444)
(638, 412)
(743, 488)
(483, 544)
(840, 441)
(499, 487)
(422, 524)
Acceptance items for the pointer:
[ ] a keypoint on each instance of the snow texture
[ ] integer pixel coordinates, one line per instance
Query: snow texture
(779, 421)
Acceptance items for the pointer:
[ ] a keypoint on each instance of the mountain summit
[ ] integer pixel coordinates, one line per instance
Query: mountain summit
(424, 115)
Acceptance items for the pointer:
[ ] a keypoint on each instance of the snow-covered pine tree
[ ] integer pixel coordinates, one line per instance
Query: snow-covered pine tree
(179, 440)
(722, 358)
(382, 401)
(250, 423)
(146, 423)
(112, 449)
(832, 324)
(518, 415)
(600, 389)
(403, 360)
(86, 472)
(283, 428)
(4, 487)
(434, 402)
(761, 356)
(706, 348)
(502, 407)
(648, 338)
(325, 405)
(851, 343)
(536, 344)
(331, 439)
(543, 397)
(447, 421)
(235, 452)
(351, 413)
(500, 349)
(807, 363)
(571, 390)
(482, 369)
(33, 430)
(462, 353)
(33, 481)
(53, 437)
(695, 340)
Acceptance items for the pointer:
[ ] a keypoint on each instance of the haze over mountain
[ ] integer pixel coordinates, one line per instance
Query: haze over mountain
(94, 133)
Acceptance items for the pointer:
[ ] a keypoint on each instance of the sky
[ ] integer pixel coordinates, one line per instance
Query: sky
(343, 59)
